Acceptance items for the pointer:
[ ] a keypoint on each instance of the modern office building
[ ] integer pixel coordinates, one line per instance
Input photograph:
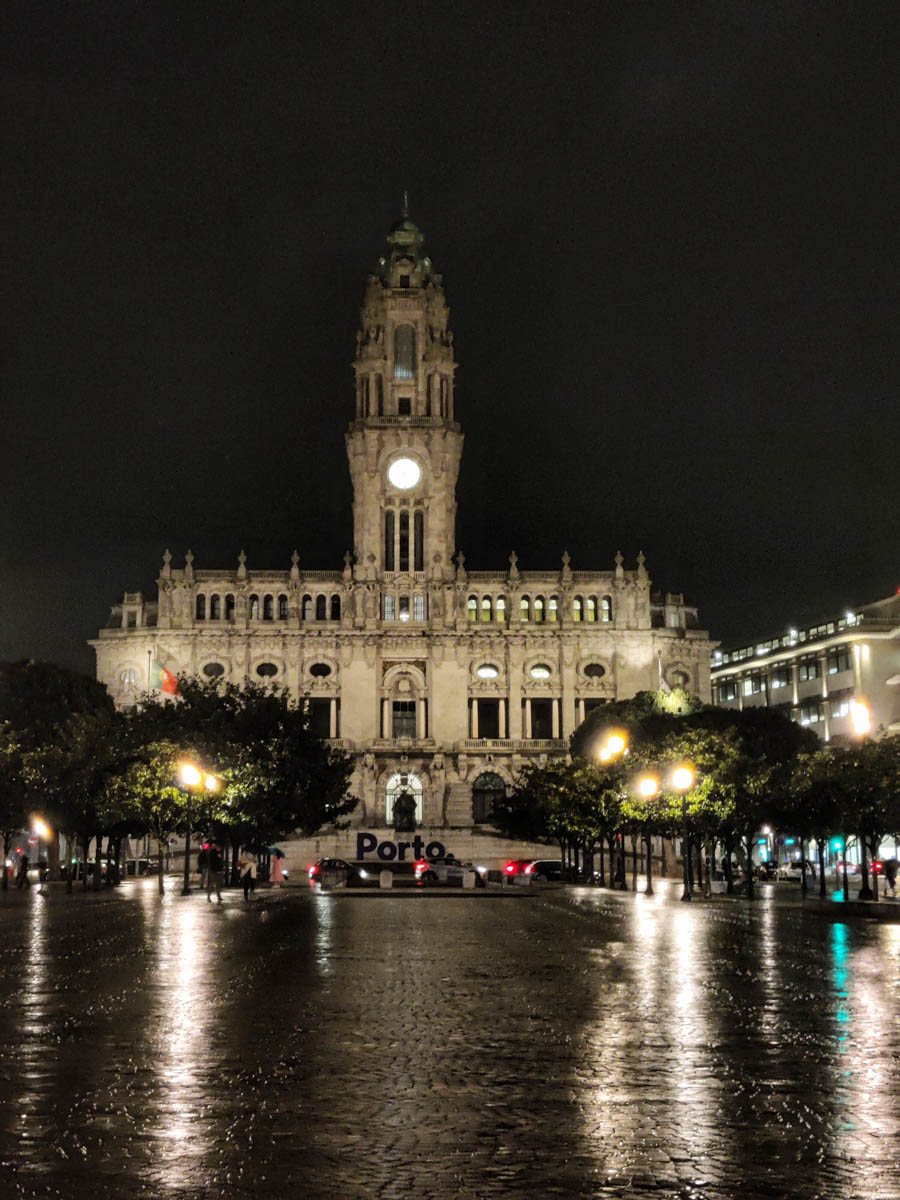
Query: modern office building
(826, 676)
(439, 680)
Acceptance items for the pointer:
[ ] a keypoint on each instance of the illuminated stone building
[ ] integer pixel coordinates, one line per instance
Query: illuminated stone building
(826, 676)
(436, 678)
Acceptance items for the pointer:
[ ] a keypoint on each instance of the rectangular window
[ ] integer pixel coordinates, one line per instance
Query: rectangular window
(808, 669)
(728, 691)
(320, 718)
(418, 608)
(404, 406)
(810, 714)
(839, 660)
(488, 718)
(389, 608)
(542, 718)
(752, 685)
(840, 706)
(781, 677)
(404, 719)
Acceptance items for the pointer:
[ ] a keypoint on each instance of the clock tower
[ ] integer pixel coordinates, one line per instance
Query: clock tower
(404, 446)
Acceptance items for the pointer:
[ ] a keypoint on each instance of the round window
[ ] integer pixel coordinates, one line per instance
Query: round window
(213, 670)
(679, 679)
(540, 671)
(320, 670)
(404, 473)
(595, 670)
(266, 669)
(129, 675)
(487, 671)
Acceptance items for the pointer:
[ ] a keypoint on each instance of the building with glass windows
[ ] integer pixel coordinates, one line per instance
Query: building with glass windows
(827, 676)
(438, 680)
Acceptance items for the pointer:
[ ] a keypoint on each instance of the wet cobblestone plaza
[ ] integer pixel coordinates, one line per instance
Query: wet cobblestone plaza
(576, 1043)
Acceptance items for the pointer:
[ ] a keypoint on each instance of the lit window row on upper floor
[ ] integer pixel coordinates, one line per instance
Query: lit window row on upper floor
(540, 609)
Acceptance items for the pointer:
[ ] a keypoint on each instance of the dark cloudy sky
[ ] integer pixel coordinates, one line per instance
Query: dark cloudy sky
(668, 234)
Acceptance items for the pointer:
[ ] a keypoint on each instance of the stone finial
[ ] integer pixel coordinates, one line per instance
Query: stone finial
(641, 569)
(461, 566)
(513, 569)
(295, 569)
(566, 569)
(166, 569)
(242, 566)
(348, 566)
(189, 565)
(620, 574)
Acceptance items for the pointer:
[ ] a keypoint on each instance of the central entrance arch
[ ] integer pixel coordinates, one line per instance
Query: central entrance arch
(400, 782)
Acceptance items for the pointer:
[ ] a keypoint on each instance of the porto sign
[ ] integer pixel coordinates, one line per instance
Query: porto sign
(368, 843)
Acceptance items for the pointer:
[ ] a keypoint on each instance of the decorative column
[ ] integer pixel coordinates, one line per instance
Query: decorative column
(554, 718)
(795, 682)
(580, 711)
(385, 718)
(474, 717)
(421, 733)
(332, 719)
(528, 720)
(501, 730)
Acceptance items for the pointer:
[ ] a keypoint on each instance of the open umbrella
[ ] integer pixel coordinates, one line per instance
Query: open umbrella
(279, 853)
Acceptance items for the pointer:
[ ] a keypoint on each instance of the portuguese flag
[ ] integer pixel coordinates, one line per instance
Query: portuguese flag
(163, 680)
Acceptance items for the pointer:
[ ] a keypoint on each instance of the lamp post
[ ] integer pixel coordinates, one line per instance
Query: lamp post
(648, 787)
(615, 746)
(39, 831)
(683, 781)
(195, 781)
(861, 720)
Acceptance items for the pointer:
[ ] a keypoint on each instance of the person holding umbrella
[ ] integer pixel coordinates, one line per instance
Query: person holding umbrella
(276, 873)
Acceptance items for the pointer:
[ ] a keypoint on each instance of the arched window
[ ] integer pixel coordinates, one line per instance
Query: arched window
(215, 610)
(501, 609)
(606, 608)
(366, 394)
(419, 541)
(487, 610)
(307, 609)
(472, 608)
(254, 607)
(129, 676)
(525, 608)
(389, 540)
(539, 608)
(389, 607)
(418, 608)
(335, 608)
(578, 608)
(404, 541)
(229, 607)
(553, 613)
(379, 390)
(282, 607)
(403, 612)
(268, 608)
(321, 608)
(592, 609)
(201, 608)
(487, 788)
(396, 786)
(404, 352)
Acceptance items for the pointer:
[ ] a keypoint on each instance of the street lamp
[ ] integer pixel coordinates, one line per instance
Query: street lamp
(39, 831)
(616, 745)
(648, 787)
(195, 781)
(683, 781)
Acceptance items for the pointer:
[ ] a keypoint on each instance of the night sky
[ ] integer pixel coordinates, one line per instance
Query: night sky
(668, 235)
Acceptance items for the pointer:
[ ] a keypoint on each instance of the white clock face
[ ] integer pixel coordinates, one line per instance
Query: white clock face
(404, 474)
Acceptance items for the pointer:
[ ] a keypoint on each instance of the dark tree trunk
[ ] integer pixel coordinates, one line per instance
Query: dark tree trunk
(601, 880)
(649, 888)
(873, 851)
(7, 843)
(803, 868)
(865, 892)
(53, 870)
(846, 873)
(97, 867)
(86, 849)
(820, 850)
(748, 846)
(634, 863)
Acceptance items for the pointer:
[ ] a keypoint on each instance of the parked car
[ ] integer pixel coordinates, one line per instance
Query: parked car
(852, 868)
(794, 870)
(766, 872)
(517, 866)
(446, 869)
(336, 872)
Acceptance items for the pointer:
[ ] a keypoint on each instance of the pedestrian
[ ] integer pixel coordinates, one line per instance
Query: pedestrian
(215, 873)
(276, 873)
(890, 877)
(247, 867)
(203, 865)
(22, 879)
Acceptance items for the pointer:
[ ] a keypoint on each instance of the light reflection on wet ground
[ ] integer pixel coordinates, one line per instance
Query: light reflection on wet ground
(578, 1043)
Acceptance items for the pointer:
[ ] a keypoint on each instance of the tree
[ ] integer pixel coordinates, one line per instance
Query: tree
(12, 792)
(148, 786)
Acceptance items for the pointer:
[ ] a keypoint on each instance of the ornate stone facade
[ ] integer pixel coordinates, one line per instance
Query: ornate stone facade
(440, 681)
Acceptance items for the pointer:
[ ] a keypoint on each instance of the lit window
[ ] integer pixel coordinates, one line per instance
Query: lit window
(472, 608)
(781, 678)
(752, 685)
(553, 608)
(404, 608)
(129, 675)
(418, 608)
(592, 609)
(606, 609)
(578, 609)
(487, 671)
(808, 669)
(501, 608)
(525, 608)
(307, 608)
(404, 352)
(486, 610)
(839, 660)
(540, 671)
(254, 608)
(389, 608)
(539, 608)
(404, 473)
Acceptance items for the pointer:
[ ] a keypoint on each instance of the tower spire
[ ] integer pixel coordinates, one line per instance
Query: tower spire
(405, 210)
